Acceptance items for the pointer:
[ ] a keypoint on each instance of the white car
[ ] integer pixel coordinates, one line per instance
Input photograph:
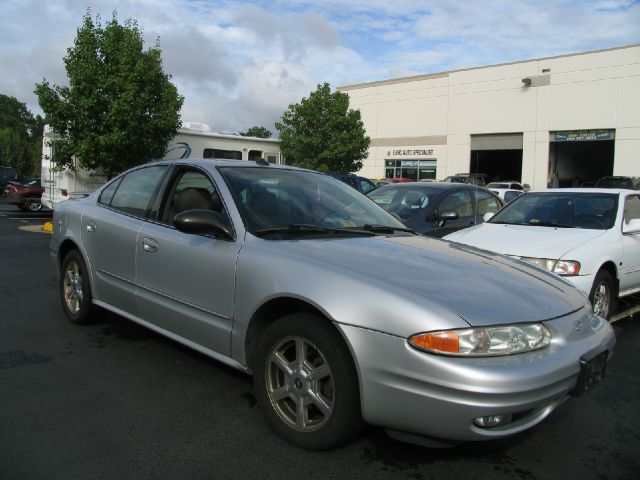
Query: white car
(509, 184)
(591, 237)
(507, 194)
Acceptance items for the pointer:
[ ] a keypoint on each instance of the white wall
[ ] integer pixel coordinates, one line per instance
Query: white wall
(594, 90)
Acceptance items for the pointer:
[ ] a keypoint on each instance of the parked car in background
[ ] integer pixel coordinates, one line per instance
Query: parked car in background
(437, 209)
(267, 268)
(6, 174)
(506, 194)
(631, 183)
(471, 178)
(509, 184)
(362, 184)
(591, 237)
(26, 194)
(399, 180)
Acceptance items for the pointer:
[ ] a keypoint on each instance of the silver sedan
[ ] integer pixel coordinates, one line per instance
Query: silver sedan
(341, 314)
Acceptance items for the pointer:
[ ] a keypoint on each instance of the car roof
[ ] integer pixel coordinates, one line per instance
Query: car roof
(215, 162)
(434, 186)
(586, 190)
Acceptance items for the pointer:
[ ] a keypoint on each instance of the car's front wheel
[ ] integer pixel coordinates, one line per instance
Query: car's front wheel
(306, 382)
(75, 289)
(602, 294)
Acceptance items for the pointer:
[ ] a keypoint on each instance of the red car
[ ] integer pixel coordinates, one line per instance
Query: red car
(26, 195)
(399, 180)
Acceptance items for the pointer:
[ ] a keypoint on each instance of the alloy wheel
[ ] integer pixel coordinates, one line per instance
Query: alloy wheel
(72, 287)
(300, 384)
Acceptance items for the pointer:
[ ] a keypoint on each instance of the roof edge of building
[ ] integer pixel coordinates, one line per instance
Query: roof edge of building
(431, 76)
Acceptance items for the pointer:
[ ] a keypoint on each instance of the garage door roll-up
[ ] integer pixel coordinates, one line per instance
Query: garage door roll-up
(497, 141)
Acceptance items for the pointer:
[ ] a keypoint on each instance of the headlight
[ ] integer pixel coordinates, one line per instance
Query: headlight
(561, 267)
(484, 341)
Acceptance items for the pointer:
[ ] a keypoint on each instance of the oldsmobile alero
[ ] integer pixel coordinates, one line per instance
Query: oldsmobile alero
(341, 314)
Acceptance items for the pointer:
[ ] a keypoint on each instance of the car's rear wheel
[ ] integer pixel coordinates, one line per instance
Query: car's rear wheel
(75, 289)
(602, 295)
(306, 382)
(33, 204)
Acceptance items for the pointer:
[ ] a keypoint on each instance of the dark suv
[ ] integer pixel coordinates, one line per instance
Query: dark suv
(630, 183)
(363, 185)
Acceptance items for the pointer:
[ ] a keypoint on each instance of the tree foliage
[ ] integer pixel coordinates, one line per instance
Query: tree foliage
(20, 136)
(119, 109)
(322, 133)
(259, 132)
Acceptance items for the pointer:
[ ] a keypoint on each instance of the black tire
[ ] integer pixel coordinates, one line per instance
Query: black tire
(75, 289)
(33, 204)
(602, 295)
(324, 386)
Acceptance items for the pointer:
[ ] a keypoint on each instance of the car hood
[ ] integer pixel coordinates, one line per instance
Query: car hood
(525, 240)
(481, 287)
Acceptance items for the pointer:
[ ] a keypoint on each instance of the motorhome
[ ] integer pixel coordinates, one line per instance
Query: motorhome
(194, 140)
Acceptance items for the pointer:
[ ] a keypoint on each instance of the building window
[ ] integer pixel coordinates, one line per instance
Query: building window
(222, 154)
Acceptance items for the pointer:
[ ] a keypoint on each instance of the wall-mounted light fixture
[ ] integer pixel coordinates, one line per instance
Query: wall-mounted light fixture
(526, 82)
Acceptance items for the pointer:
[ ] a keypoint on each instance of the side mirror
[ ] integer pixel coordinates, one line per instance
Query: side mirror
(632, 227)
(200, 221)
(487, 216)
(446, 216)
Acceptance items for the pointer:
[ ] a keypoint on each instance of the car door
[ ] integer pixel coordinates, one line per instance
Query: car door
(109, 232)
(486, 202)
(630, 271)
(186, 282)
(460, 202)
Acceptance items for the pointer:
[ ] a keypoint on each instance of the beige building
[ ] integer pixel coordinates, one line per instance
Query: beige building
(561, 120)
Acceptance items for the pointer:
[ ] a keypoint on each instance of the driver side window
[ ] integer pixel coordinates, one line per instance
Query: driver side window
(459, 202)
(191, 190)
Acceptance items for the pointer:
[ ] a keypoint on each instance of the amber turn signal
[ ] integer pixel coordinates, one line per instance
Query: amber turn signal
(438, 341)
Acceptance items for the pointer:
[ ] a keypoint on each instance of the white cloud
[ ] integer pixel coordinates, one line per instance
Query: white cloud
(241, 63)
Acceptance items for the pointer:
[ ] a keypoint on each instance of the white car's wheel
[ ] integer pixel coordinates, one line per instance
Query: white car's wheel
(602, 294)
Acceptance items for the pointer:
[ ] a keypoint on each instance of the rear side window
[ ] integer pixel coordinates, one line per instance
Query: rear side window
(136, 189)
(366, 185)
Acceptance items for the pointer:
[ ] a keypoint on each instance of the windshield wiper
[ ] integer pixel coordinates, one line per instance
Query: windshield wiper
(303, 228)
(547, 223)
(386, 228)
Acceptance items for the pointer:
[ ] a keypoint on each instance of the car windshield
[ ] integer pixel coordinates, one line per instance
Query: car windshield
(403, 201)
(281, 201)
(561, 210)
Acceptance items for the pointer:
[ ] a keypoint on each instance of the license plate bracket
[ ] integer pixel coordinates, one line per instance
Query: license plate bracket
(592, 372)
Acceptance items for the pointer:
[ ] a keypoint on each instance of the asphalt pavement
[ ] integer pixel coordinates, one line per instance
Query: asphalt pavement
(116, 401)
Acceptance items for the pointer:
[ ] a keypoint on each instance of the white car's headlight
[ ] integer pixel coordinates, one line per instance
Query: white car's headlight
(561, 267)
(484, 341)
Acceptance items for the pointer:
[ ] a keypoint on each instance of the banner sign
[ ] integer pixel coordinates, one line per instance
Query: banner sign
(582, 135)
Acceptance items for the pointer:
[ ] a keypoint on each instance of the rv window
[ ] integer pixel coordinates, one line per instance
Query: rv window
(255, 154)
(223, 154)
(271, 157)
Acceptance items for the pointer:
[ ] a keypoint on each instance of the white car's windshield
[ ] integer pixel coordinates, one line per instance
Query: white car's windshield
(281, 201)
(563, 210)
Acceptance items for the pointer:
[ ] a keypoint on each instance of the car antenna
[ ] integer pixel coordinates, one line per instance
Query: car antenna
(262, 161)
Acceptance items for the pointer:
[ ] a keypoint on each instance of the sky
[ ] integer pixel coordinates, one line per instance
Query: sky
(242, 63)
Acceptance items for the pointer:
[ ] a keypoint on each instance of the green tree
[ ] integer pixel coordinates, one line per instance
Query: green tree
(322, 133)
(120, 109)
(20, 136)
(260, 132)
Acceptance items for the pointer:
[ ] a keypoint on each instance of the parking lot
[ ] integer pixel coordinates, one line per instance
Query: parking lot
(114, 400)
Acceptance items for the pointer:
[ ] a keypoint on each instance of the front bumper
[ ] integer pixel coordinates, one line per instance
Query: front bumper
(407, 390)
(582, 282)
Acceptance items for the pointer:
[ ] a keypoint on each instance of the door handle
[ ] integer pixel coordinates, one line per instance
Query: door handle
(149, 245)
(91, 226)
